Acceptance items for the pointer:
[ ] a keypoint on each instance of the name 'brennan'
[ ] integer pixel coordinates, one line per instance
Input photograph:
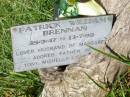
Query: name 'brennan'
(64, 30)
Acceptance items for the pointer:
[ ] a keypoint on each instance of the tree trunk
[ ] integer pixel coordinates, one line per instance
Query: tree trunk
(78, 80)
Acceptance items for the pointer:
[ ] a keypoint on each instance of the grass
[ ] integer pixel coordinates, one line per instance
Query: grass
(28, 84)
(12, 13)
(121, 87)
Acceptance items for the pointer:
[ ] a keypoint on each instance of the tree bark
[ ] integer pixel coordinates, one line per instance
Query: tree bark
(78, 80)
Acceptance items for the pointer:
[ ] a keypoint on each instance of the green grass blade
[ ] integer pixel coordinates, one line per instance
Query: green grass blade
(102, 87)
(104, 53)
(120, 58)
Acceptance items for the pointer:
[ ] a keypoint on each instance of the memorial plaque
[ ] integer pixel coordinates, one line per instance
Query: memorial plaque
(56, 43)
